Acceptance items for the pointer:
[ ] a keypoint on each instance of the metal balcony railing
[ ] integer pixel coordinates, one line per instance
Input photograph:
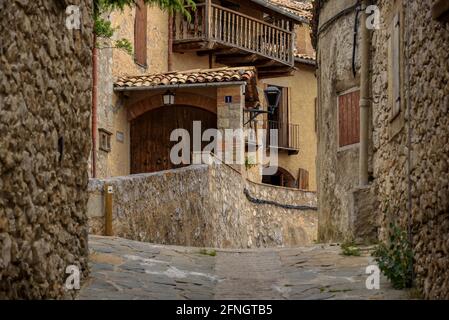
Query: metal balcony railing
(288, 134)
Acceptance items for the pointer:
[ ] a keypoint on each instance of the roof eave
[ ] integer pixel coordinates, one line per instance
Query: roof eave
(181, 85)
(305, 61)
(282, 11)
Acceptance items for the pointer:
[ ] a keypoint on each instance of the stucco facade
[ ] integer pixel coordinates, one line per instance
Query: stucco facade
(113, 113)
(337, 167)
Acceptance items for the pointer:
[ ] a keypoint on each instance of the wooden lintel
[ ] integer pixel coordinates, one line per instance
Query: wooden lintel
(227, 51)
(190, 46)
(274, 74)
(237, 59)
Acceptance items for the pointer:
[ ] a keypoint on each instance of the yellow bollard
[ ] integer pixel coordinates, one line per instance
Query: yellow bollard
(108, 192)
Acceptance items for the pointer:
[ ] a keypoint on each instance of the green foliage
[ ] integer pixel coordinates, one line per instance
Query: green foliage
(101, 6)
(211, 253)
(350, 249)
(125, 45)
(250, 162)
(395, 258)
(103, 28)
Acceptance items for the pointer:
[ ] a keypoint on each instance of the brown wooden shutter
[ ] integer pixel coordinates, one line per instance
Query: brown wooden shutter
(349, 119)
(140, 34)
(283, 118)
(303, 179)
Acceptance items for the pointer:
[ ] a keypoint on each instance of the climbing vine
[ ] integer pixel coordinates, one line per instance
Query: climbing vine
(103, 27)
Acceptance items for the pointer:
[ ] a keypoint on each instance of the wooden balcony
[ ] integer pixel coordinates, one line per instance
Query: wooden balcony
(236, 39)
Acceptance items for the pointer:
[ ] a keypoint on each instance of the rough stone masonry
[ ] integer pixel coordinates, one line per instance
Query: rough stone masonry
(45, 93)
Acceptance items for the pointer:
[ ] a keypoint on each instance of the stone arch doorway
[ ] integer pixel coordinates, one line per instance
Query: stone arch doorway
(150, 135)
(281, 178)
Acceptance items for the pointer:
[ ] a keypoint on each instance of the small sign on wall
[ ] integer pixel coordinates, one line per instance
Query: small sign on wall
(120, 136)
(228, 99)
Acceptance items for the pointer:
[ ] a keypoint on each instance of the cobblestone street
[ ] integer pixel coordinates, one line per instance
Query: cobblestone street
(124, 269)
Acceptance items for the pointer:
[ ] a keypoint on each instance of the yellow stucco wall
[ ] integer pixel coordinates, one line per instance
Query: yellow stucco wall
(302, 111)
(303, 85)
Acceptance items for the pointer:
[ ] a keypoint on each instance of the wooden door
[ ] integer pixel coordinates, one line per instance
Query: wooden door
(150, 135)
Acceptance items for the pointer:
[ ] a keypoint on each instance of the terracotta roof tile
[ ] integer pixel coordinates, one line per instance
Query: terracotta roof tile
(306, 57)
(188, 77)
(301, 8)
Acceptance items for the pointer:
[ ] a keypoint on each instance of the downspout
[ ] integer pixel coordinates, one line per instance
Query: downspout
(94, 106)
(170, 42)
(410, 133)
(365, 99)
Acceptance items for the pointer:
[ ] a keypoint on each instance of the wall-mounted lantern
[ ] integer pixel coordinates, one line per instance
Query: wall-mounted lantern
(272, 97)
(168, 98)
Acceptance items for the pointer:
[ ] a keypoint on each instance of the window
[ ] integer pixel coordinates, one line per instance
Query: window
(140, 34)
(105, 140)
(395, 58)
(280, 119)
(348, 118)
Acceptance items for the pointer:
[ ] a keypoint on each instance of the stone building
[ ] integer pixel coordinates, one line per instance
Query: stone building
(273, 37)
(45, 98)
(390, 165)
(216, 67)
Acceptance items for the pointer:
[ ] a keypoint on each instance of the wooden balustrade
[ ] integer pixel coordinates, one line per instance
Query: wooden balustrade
(212, 22)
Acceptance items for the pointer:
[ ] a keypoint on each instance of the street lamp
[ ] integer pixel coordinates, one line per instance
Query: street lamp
(272, 97)
(168, 98)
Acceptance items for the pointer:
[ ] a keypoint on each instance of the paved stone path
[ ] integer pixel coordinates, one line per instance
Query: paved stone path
(124, 269)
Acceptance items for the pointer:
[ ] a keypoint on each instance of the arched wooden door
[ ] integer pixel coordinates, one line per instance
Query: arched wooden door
(150, 135)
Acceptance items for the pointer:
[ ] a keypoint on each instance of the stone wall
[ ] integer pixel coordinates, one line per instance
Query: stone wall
(337, 168)
(426, 64)
(204, 206)
(45, 92)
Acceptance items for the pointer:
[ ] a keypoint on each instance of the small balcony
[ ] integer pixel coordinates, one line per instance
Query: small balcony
(288, 135)
(237, 39)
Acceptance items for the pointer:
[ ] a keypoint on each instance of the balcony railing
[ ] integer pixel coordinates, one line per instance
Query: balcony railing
(216, 24)
(288, 134)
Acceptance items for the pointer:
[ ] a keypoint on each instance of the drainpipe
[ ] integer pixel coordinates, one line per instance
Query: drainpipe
(94, 106)
(365, 99)
(170, 42)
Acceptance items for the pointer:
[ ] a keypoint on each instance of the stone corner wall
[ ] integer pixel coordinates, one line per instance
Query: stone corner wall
(337, 168)
(364, 219)
(204, 206)
(45, 98)
(428, 69)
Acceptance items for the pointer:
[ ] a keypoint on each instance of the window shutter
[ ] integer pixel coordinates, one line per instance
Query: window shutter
(140, 34)
(396, 65)
(283, 119)
(349, 119)
(303, 179)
